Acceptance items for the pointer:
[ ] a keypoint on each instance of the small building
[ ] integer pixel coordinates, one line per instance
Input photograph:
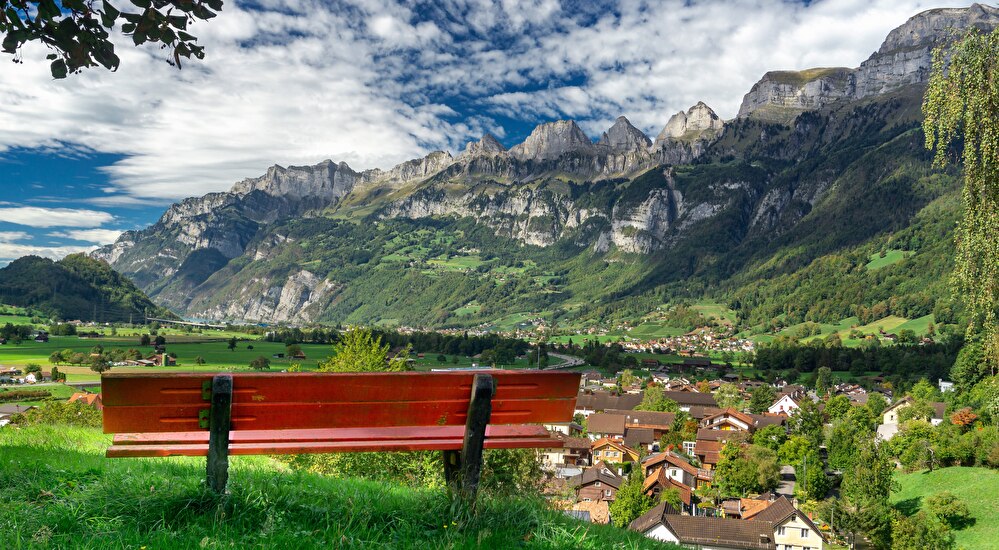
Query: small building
(596, 483)
(664, 523)
(90, 399)
(609, 450)
(8, 410)
(944, 385)
(791, 527)
(785, 404)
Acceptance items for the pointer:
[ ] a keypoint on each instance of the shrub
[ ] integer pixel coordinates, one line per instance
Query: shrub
(950, 510)
(58, 412)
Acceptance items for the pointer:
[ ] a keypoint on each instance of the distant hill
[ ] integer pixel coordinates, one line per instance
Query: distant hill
(76, 287)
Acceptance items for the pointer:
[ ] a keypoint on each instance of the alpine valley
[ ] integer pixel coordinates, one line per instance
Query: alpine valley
(781, 213)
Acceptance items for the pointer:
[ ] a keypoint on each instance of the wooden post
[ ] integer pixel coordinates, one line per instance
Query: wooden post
(452, 469)
(219, 419)
(480, 407)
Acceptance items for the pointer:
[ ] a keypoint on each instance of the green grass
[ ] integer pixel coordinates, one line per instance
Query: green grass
(58, 392)
(919, 325)
(977, 487)
(891, 257)
(58, 491)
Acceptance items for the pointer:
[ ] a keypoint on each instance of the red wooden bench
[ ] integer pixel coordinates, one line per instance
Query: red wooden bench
(459, 413)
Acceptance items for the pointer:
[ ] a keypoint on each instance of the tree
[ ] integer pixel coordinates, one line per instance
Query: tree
(55, 357)
(233, 343)
(57, 376)
(920, 532)
(292, 349)
(199, 360)
(807, 422)
(441, 358)
(99, 363)
(866, 492)
(260, 363)
(823, 380)
(144, 340)
(771, 437)
(960, 109)
(78, 34)
(32, 368)
(744, 470)
(630, 501)
(359, 351)
(923, 390)
(838, 406)
(728, 395)
(761, 399)
(654, 399)
(876, 403)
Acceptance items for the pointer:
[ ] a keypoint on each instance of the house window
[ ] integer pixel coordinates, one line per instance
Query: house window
(673, 472)
(586, 500)
(780, 531)
(607, 493)
(597, 484)
(688, 447)
(804, 533)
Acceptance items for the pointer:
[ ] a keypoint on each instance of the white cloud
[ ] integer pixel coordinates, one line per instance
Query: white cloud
(12, 236)
(34, 216)
(374, 82)
(96, 236)
(11, 251)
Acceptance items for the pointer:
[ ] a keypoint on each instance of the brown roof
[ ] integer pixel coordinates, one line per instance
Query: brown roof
(603, 423)
(670, 458)
(599, 472)
(686, 398)
(602, 400)
(708, 450)
(635, 437)
(15, 409)
(646, 418)
(780, 511)
(659, 477)
(573, 442)
(699, 412)
(705, 531)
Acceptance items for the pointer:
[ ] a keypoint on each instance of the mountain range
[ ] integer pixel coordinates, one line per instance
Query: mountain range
(776, 212)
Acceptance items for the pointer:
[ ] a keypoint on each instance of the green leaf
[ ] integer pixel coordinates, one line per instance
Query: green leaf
(144, 4)
(109, 14)
(59, 69)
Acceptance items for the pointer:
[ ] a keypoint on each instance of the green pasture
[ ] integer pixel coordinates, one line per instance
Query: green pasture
(891, 257)
(977, 487)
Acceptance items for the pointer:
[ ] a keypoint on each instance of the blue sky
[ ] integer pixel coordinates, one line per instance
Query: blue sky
(376, 82)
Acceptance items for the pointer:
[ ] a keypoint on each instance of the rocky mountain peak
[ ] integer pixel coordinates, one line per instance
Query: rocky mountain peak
(488, 145)
(623, 136)
(933, 26)
(699, 121)
(551, 139)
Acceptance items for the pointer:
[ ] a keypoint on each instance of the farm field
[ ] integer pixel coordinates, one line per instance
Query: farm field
(977, 487)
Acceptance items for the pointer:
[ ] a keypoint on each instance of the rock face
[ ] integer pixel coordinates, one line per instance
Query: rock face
(796, 91)
(699, 122)
(903, 59)
(906, 54)
(552, 140)
(624, 137)
(487, 146)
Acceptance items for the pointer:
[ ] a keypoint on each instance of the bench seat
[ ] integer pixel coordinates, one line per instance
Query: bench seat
(336, 440)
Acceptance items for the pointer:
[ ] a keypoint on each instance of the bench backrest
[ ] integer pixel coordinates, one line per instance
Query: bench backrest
(179, 402)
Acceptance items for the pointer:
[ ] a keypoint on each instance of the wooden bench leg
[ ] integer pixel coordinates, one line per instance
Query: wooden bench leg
(480, 407)
(220, 416)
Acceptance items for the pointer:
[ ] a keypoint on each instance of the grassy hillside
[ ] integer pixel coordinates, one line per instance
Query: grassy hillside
(59, 491)
(977, 487)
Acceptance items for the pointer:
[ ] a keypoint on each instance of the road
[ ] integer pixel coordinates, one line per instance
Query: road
(568, 361)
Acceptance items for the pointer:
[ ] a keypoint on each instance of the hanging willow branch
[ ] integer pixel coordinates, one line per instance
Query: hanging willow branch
(961, 109)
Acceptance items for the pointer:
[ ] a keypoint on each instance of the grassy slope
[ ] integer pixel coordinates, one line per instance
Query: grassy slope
(977, 487)
(59, 491)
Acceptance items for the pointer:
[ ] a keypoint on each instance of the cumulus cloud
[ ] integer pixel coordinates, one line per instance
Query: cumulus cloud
(96, 236)
(35, 216)
(12, 236)
(376, 82)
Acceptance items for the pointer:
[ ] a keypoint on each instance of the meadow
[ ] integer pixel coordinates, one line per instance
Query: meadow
(977, 487)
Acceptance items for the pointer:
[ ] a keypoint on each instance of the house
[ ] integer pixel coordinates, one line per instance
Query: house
(609, 450)
(299, 355)
(641, 438)
(687, 399)
(659, 481)
(9, 375)
(792, 529)
(42, 336)
(575, 451)
(596, 483)
(658, 422)
(673, 464)
(664, 523)
(729, 419)
(600, 425)
(785, 404)
(744, 508)
(889, 427)
(944, 385)
(91, 399)
(589, 402)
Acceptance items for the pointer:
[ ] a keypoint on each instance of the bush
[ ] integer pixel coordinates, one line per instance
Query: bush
(58, 412)
(23, 395)
(950, 510)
